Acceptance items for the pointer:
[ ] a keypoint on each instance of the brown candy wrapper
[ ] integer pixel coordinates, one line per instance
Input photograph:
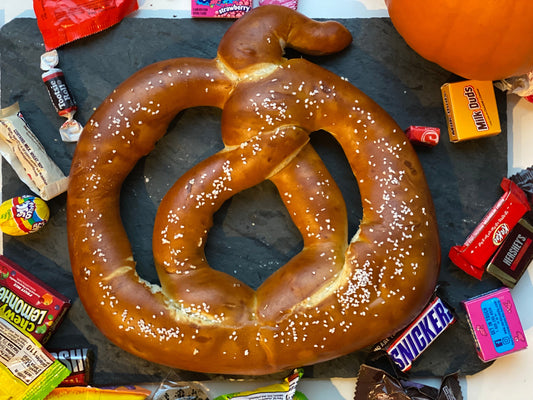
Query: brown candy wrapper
(383, 381)
(376, 384)
(79, 361)
(524, 180)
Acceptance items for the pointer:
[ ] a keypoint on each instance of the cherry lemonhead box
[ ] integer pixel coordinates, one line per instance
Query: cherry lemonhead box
(28, 303)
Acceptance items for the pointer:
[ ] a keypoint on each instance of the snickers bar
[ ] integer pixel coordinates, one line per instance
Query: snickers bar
(405, 347)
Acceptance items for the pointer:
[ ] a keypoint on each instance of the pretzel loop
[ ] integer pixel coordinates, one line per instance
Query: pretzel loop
(334, 297)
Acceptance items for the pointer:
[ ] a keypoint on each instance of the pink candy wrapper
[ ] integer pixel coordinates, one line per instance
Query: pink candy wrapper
(286, 3)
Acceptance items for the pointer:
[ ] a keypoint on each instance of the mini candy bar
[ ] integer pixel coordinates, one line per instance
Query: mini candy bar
(220, 8)
(514, 255)
(28, 303)
(425, 135)
(405, 347)
(78, 361)
(495, 324)
(471, 110)
(481, 244)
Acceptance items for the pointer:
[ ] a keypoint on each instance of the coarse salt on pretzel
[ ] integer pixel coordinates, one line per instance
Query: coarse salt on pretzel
(334, 297)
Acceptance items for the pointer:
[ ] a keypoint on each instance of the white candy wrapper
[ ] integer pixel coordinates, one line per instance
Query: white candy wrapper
(521, 85)
(23, 151)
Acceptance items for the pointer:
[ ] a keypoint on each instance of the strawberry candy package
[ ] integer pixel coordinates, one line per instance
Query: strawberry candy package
(63, 21)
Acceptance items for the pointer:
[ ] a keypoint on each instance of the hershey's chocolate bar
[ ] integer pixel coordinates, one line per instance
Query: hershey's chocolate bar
(514, 256)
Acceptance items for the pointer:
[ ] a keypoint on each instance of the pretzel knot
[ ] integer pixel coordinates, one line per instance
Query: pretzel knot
(334, 297)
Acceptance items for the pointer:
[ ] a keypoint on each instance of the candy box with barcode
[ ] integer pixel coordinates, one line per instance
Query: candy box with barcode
(28, 303)
(495, 324)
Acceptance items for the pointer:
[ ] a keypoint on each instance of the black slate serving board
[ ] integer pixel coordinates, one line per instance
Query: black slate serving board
(253, 234)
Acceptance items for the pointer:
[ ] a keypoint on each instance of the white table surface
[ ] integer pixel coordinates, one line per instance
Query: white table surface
(509, 377)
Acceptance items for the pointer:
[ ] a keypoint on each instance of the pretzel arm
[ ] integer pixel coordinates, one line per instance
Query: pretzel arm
(322, 224)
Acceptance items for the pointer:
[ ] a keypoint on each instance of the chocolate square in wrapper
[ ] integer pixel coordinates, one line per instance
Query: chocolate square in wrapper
(79, 362)
(515, 254)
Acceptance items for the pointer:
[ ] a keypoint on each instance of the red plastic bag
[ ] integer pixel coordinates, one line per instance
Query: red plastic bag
(63, 21)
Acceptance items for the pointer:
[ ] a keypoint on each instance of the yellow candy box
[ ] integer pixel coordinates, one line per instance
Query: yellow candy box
(471, 110)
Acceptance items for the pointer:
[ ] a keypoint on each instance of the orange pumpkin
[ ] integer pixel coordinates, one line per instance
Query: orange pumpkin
(475, 39)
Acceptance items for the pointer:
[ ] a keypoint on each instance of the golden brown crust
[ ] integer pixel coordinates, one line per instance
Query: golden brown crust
(332, 298)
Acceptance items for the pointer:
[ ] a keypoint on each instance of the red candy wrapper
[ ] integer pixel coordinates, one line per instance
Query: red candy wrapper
(483, 242)
(29, 304)
(425, 135)
(63, 21)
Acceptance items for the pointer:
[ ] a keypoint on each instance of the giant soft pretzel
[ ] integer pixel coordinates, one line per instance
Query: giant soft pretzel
(332, 298)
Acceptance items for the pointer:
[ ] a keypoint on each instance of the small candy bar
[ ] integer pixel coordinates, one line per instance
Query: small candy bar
(79, 362)
(409, 344)
(28, 303)
(514, 256)
(481, 244)
(425, 135)
(495, 324)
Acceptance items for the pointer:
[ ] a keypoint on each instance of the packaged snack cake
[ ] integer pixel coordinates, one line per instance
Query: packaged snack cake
(28, 303)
